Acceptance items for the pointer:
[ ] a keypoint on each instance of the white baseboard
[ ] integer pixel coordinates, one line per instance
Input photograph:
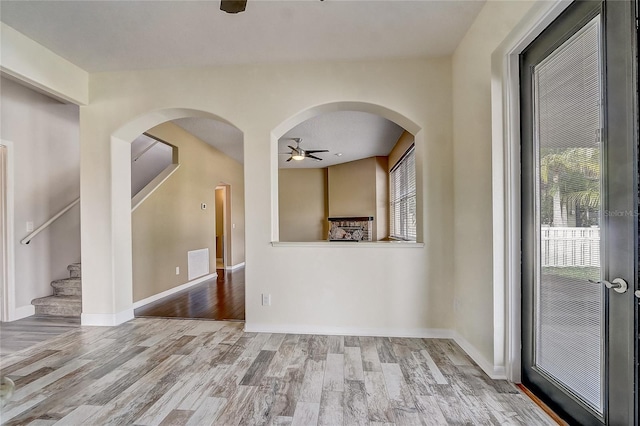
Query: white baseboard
(434, 333)
(23, 312)
(234, 267)
(107, 320)
(496, 372)
(171, 291)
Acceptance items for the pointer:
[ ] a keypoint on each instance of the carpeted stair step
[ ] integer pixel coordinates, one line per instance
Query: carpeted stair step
(75, 270)
(60, 306)
(67, 287)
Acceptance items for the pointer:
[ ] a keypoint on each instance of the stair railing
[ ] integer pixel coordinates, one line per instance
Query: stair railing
(28, 238)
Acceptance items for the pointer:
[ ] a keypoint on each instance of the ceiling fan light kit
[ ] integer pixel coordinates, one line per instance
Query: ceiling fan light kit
(300, 154)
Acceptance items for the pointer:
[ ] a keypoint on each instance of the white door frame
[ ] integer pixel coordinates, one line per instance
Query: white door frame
(7, 276)
(223, 188)
(226, 225)
(505, 101)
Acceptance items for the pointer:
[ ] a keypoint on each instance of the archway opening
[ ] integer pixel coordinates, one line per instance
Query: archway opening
(347, 171)
(173, 223)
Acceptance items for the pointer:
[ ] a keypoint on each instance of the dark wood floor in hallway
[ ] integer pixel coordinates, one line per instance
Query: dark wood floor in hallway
(216, 299)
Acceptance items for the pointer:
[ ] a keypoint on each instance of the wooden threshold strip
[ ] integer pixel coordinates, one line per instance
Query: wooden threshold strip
(542, 405)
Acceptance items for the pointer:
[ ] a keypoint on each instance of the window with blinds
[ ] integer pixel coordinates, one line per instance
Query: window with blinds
(402, 196)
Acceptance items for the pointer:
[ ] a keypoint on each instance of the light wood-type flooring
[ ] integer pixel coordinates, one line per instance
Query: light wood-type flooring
(174, 372)
(21, 334)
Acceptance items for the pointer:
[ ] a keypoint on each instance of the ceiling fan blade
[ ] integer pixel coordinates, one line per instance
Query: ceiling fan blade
(289, 159)
(314, 157)
(292, 148)
(313, 151)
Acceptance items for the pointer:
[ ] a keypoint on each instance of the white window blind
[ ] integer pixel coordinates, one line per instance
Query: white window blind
(568, 311)
(402, 193)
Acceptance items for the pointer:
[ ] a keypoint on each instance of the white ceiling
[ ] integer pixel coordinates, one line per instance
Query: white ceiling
(356, 135)
(124, 35)
(117, 35)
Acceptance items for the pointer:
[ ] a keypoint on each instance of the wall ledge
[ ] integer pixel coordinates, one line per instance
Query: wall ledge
(30, 63)
(336, 244)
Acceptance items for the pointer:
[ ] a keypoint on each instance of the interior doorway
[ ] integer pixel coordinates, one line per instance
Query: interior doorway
(223, 241)
(189, 175)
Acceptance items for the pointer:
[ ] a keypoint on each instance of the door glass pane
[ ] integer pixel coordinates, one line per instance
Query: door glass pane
(569, 308)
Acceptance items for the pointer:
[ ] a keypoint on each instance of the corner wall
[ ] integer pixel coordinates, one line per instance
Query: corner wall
(303, 204)
(352, 190)
(45, 136)
(170, 222)
(473, 218)
(382, 197)
(405, 141)
(397, 289)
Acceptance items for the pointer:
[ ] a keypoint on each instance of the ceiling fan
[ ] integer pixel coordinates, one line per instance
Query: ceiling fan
(299, 154)
(233, 6)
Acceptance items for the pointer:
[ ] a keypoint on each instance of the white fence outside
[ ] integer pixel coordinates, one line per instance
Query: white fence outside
(576, 247)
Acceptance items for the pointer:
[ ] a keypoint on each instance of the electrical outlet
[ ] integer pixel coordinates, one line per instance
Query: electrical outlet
(29, 226)
(177, 270)
(266, 299)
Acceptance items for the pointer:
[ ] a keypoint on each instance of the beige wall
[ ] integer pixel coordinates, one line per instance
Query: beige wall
(302, 204)
(46, 160)
(404, 143)
(473, 228)
(171, 222)
(352, 190)
(447, 98)
(307, 197)
(395, 289)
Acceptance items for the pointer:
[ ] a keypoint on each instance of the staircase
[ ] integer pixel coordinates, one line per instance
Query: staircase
(67, 296)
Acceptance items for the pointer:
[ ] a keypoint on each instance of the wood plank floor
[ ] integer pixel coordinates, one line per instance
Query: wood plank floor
(187, 372)
(218, 299)
(21, 334)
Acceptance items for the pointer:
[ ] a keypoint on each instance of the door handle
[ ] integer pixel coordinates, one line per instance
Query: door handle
(618, 285)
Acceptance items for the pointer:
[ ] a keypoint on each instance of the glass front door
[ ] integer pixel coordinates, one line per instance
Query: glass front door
(579, 163)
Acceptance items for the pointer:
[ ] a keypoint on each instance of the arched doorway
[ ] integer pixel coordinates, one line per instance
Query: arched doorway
(122, 264)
